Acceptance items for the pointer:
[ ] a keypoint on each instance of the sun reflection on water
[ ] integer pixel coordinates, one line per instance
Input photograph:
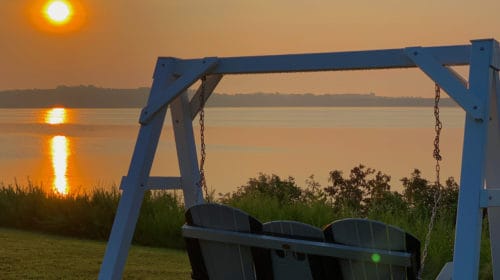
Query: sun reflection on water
(55, 116)
(60, 150)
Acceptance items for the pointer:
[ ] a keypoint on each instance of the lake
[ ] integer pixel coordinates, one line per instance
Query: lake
(74, 150)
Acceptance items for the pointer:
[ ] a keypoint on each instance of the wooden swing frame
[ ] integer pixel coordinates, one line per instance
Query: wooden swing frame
(479, 98)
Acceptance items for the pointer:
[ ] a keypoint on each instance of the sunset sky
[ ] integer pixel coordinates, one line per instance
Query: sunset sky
(115, 43)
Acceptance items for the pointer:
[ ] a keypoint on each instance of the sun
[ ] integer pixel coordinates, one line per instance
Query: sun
(57, 17)
(58, 12)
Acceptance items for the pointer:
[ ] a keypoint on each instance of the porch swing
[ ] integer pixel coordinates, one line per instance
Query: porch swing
(226, 243)
(230, 255)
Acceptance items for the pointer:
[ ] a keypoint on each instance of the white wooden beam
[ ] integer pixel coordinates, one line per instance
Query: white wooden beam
(472, 179)
(335, 61)
(490, 197)
(157, 183)
(446, 272)
(492, 174)
(138, 173)
(459, 77)
(184, 81)
(495, 61)
(186, 150)
(448, 80)
(210, 84)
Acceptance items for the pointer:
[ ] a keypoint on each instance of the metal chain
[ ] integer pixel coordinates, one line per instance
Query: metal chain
(203, 183)
(438, 193)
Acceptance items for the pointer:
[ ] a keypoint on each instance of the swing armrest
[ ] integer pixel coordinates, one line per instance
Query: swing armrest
(295, 245)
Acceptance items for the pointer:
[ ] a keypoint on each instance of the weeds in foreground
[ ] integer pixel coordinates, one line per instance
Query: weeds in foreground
(91, 215)
(364, 193)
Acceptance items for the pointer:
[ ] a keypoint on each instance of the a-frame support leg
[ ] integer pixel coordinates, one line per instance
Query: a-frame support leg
(186, 150)
(183, 112)
(493, 176)
(134, 187)
(469, 214)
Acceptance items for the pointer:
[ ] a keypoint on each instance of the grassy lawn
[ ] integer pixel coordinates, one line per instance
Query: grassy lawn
(28, 255)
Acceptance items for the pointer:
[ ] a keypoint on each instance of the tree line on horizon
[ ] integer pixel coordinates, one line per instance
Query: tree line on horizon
(97, 97)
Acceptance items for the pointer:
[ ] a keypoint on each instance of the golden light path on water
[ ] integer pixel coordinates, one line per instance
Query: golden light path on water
(59, 151)
(55, 116)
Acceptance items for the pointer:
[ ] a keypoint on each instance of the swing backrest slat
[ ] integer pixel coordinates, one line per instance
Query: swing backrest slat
(294, 265)
(375, 235)
(216, 260)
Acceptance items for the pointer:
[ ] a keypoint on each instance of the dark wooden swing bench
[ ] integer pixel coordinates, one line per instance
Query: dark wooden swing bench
(227, 243)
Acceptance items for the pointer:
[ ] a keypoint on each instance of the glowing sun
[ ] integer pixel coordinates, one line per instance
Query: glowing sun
(58, 12)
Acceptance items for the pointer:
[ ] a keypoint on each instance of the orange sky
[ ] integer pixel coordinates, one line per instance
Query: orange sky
(119, 41)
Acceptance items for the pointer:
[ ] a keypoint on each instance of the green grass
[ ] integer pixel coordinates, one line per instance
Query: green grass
(30, 255)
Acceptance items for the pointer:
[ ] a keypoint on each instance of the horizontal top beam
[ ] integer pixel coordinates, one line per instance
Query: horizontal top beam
(336, 61)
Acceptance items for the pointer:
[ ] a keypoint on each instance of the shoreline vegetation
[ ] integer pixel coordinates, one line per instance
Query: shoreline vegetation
(96, 97)
(364, 192)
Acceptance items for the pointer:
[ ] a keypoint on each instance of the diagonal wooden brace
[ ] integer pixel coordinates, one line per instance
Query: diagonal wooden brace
(181, 84)
(210, 84)
(448, 80)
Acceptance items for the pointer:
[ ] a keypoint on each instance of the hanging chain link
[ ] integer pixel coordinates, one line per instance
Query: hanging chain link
(203, 183)
(437, 128)
(438, 193)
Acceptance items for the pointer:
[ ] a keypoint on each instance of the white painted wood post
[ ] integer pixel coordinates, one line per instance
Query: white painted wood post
(186, 150)
(493, 174)
(469, 219)
(136, 180)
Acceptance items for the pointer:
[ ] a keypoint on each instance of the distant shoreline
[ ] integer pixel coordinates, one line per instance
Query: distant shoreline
(95, 97)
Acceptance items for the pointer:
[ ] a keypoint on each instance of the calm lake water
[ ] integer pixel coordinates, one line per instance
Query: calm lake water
(80, 149)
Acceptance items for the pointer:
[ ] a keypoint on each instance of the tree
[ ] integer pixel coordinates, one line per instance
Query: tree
(313, 192)
(449, 197)
(270, 185)
(363, 187)
(417, 192)
(420, 194)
